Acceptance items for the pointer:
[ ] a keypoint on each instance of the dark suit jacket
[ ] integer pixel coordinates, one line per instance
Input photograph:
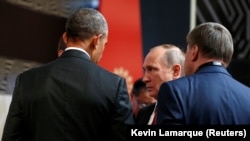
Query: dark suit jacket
(69, 99)
(144, 114)
(210, 96)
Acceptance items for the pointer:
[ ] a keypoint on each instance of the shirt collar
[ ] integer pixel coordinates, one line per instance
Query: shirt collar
(77, 48)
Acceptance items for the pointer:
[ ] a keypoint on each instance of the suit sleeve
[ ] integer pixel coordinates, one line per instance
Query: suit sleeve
(169, 107)
(14, 128)
(123, 115)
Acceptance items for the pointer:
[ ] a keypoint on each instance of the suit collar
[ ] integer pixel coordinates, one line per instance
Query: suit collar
(213, 63)
(77, 48)
(150, 106)
(75, 53)
(212, 69)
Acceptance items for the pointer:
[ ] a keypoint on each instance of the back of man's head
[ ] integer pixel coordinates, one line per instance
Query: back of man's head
(138, 86)
(86, 22)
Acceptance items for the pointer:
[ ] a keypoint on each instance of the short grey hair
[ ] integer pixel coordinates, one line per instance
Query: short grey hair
(84, 23)
(213, 40)
(173, 55)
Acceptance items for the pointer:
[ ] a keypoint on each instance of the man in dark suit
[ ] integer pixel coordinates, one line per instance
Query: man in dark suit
(208, 94)
(162, 63)
(140, 96)
(71, 98)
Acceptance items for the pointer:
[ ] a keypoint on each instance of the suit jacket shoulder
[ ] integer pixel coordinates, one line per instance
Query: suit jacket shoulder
(144, 114)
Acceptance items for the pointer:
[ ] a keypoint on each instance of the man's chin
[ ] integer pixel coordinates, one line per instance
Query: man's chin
(152, 94)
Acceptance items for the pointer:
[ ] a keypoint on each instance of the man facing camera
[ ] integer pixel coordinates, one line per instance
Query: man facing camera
(162, 63)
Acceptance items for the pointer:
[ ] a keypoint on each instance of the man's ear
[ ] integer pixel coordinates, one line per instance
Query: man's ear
(194, 52)
(96, 41)
(65, 37)
(176, 70)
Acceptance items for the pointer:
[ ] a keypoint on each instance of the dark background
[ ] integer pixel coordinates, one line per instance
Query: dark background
(27, 34)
